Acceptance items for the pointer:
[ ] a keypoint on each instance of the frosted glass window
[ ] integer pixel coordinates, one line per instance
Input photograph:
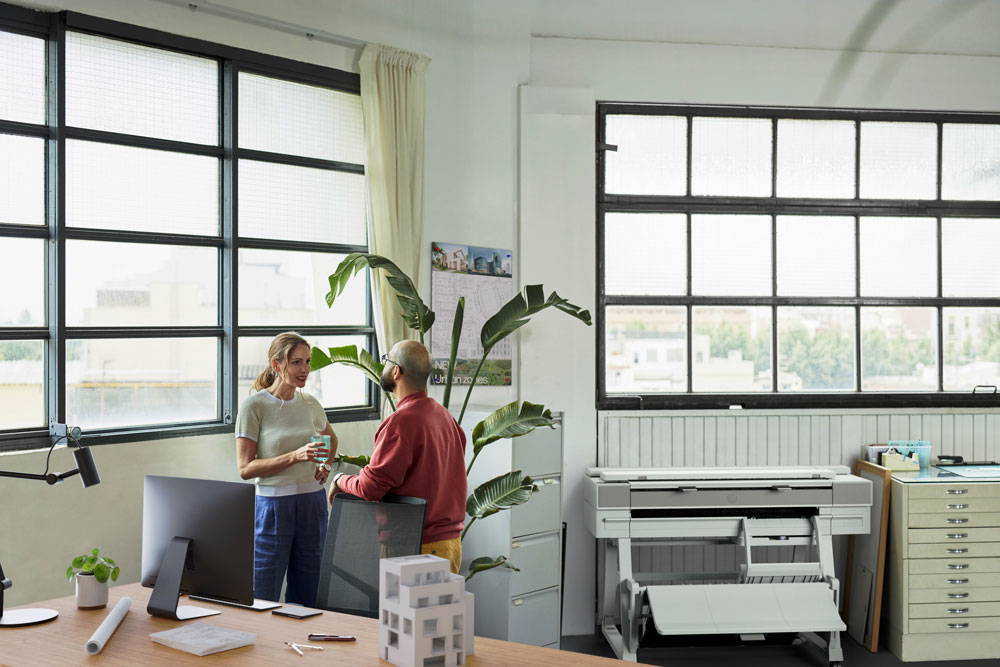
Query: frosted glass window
(140, 189)
(335, 386)
(140, 284)
(731, 349)
(898, 160)
(22, 375)
(899, 257)
(970, 249)
(971, 347)
(22, 78)
(731, 255)
(287, 117)
(815, 256)
(279, 201)
(899, 349)
(22, 274)
(651, 158)
(970, 162)
(645, 253)
(816, 349)
(645, 349)
(815, 158)
(731, 156)
(22, 180)
(123, 87)
(280, 287)
(116, 382)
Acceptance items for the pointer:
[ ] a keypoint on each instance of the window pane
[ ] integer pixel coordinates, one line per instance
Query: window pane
(651, 158)
(123, 87)
(646, 349)
(731, 255)
(335, 386)
(279, 287)
(971, 347)
(139, 189)
(22, 372)
(287, 117)
(969, 249)
(815, 256)
(815, 158)
(731, 156)
(816, 349)
(899, 349)
(280, 201)
(898, 257)
(898, 160)
(141, 381)
(970, 162)
(22, 78)
(645, 253)
(22, 180)
(22, 273)
(732, 348)
(140, 284)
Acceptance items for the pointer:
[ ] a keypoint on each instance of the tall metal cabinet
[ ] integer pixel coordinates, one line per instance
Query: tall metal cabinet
(520, 606)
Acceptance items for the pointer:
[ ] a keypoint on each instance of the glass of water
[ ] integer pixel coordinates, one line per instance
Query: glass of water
(325, 439)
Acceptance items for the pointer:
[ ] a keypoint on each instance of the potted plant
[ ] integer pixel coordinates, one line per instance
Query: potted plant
(510, 421)
(92, 572)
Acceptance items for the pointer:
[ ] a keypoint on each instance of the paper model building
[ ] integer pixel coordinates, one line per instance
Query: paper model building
(426, 616)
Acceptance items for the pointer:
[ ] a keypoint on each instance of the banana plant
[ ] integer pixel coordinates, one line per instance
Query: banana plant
(510, 421)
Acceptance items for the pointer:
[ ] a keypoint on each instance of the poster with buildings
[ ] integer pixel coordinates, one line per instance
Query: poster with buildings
(483, 277)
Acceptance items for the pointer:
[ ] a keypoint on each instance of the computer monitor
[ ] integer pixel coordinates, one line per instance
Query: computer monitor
(197, 538)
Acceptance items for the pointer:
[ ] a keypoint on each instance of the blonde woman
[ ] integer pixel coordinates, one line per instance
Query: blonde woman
(275, 444)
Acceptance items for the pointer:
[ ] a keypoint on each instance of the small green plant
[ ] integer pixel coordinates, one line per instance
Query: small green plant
(96, 564)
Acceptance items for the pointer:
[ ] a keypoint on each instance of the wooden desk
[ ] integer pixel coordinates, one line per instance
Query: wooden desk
(61, 641)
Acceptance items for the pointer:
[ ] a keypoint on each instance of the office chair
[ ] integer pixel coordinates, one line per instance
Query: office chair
(359, 534)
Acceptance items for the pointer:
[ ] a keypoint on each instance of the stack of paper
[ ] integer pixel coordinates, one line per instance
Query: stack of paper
(203, 639)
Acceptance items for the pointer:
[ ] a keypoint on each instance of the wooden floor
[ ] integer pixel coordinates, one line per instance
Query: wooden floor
(758, 656)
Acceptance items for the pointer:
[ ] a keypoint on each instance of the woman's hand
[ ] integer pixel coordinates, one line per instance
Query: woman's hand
(322, 472)
(315, 452)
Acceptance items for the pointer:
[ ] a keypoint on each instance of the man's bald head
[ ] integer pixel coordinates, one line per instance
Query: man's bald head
(416, 363)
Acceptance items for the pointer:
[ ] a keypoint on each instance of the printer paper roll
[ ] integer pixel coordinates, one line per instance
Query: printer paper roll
(104, 631)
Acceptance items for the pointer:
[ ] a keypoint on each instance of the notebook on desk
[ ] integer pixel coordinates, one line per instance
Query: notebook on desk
(203, 639)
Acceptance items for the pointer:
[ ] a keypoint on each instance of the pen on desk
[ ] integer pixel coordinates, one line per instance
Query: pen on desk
(294, 648)
(319, 637)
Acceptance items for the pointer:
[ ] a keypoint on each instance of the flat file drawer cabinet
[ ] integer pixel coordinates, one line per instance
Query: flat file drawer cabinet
(944, 570)
(520, 606)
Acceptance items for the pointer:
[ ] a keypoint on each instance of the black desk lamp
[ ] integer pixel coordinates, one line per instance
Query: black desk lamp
(89, 477)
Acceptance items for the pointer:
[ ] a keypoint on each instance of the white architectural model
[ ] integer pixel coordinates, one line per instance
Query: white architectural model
(426, 614)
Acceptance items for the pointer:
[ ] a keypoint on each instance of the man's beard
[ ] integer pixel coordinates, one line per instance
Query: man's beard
(387, 383)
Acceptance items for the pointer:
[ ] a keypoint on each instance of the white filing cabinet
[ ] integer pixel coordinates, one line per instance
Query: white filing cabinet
(944, 569)
(520, 606)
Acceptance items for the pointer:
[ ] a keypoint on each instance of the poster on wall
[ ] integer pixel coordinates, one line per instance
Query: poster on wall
(483, 277)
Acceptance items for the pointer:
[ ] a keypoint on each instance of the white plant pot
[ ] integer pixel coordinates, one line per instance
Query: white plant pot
(90, 593)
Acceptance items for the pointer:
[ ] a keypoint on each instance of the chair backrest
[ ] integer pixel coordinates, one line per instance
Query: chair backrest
(359, 534)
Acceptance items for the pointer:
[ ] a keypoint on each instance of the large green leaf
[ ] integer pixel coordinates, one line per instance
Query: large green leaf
(349, 355)
(416, 314)
(500, 493)
(361, 460)
(456, 336)
(515, 313)
(510, 421)
(484, 563)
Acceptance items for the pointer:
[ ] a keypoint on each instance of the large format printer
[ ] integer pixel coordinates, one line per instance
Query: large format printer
(746, 507)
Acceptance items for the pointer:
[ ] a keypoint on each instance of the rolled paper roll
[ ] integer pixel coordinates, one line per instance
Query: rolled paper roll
(104, 631)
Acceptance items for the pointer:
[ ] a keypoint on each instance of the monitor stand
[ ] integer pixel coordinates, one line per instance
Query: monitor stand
(163, 600)
(258, 604)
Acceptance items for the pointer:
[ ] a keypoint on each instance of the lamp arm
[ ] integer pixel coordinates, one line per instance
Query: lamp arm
(50, 478)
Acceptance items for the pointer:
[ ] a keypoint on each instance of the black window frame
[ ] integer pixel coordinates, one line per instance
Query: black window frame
(773, 206)
(231, 61)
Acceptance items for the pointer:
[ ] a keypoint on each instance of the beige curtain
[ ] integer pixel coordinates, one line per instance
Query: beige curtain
(393, 100)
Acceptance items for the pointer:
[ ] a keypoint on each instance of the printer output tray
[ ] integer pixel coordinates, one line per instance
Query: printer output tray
(743, 608)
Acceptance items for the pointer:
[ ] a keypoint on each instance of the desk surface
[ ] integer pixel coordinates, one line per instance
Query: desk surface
(61, 641)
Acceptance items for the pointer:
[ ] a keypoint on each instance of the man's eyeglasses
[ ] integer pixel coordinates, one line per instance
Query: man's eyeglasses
(387, 360)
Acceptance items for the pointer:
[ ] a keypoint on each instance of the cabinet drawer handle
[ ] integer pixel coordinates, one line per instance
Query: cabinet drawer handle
(963, 550)
(964, 520)
(958, 596)
(687, 489)
(959, 506)
(958, 566)
(956, 492)
(963, 610)
(518, 603)
(781, 488)
(957, 536)
(958, 581)
(958, 626)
